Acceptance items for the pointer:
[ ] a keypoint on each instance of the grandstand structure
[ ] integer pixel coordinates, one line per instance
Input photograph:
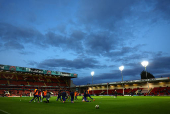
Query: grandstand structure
(157, 86)
(15, 81)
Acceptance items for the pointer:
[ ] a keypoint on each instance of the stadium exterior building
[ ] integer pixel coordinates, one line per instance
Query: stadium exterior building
(16, 81)
(155, 86)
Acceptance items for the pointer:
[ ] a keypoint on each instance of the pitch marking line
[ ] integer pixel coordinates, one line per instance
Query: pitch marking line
(4, 111)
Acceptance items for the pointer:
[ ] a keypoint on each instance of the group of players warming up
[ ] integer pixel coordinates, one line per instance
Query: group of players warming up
(37, 95)
(62, 96)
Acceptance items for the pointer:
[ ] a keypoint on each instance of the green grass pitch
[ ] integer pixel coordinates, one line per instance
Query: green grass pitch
(108, 105)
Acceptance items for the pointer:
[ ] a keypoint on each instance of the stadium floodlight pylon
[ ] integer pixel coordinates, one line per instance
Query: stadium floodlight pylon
(92, 73)
(145, 64)
(121, 69)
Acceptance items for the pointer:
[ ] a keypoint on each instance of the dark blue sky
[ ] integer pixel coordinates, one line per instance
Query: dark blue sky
(80, 36)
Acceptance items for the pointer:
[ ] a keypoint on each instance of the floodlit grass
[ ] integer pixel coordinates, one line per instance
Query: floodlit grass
(108, 104)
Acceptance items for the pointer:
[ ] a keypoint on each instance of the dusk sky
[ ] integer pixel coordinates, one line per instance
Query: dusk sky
(80, 36)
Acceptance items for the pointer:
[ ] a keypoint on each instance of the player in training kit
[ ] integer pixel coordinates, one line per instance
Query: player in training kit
(88, 95)
(48, 97)
(115, 94)
(44, 94)
(72, 96)
(85, 96)
(59, 96)
(35, 95)
(64, 96)
(39, 95)
(68, 95)
(76, 94)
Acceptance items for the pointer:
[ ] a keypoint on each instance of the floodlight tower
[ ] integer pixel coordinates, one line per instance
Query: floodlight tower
(145, 64)
(121, 69)
(92, 73)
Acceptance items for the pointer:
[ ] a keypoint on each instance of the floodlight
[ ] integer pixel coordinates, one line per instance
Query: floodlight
(92, 73)
(145, 63)
(121, 68)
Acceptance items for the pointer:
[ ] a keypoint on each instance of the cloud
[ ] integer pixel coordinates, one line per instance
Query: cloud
(78, 35)
(0, 44)
(160, 63)
(67, 69)
(131, 55)
(73, 42)
(32, 63)
(112, 23)
(101, 42)
(10, 33)
(26, 53)
(13, 45)
(61, 28)
(104, 13)
(114, 76)
(163, 8)
(124, 50)
(127, 58)
(131, 73)
(115, 15)
(32, 18)
(95, 43)
(78, 63)
(54, 39)
(158, 66)
(76, 41)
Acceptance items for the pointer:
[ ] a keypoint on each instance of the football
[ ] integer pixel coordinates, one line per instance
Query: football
(97, 106)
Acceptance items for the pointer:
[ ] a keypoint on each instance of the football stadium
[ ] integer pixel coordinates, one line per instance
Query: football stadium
(68, 56)
(19, 87)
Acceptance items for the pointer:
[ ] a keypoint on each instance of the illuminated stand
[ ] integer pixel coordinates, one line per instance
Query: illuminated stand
(121, 69)
(145, 64)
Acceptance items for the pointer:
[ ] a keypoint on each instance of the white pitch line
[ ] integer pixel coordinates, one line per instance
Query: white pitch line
(4, 111)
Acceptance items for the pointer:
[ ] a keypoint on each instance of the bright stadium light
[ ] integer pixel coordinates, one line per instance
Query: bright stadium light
(92, 73)
(145, 64)
(121, 69)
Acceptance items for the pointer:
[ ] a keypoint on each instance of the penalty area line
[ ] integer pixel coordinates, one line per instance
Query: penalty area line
(4, 112)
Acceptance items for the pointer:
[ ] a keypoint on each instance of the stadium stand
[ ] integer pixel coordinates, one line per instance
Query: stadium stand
(157, 86)
(23, 83)
(144, 90)
(127, 91)
(3, 82)
(160, 91)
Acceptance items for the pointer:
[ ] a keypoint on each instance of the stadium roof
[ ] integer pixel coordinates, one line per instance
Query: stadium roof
(8, 68)
(129, 82)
